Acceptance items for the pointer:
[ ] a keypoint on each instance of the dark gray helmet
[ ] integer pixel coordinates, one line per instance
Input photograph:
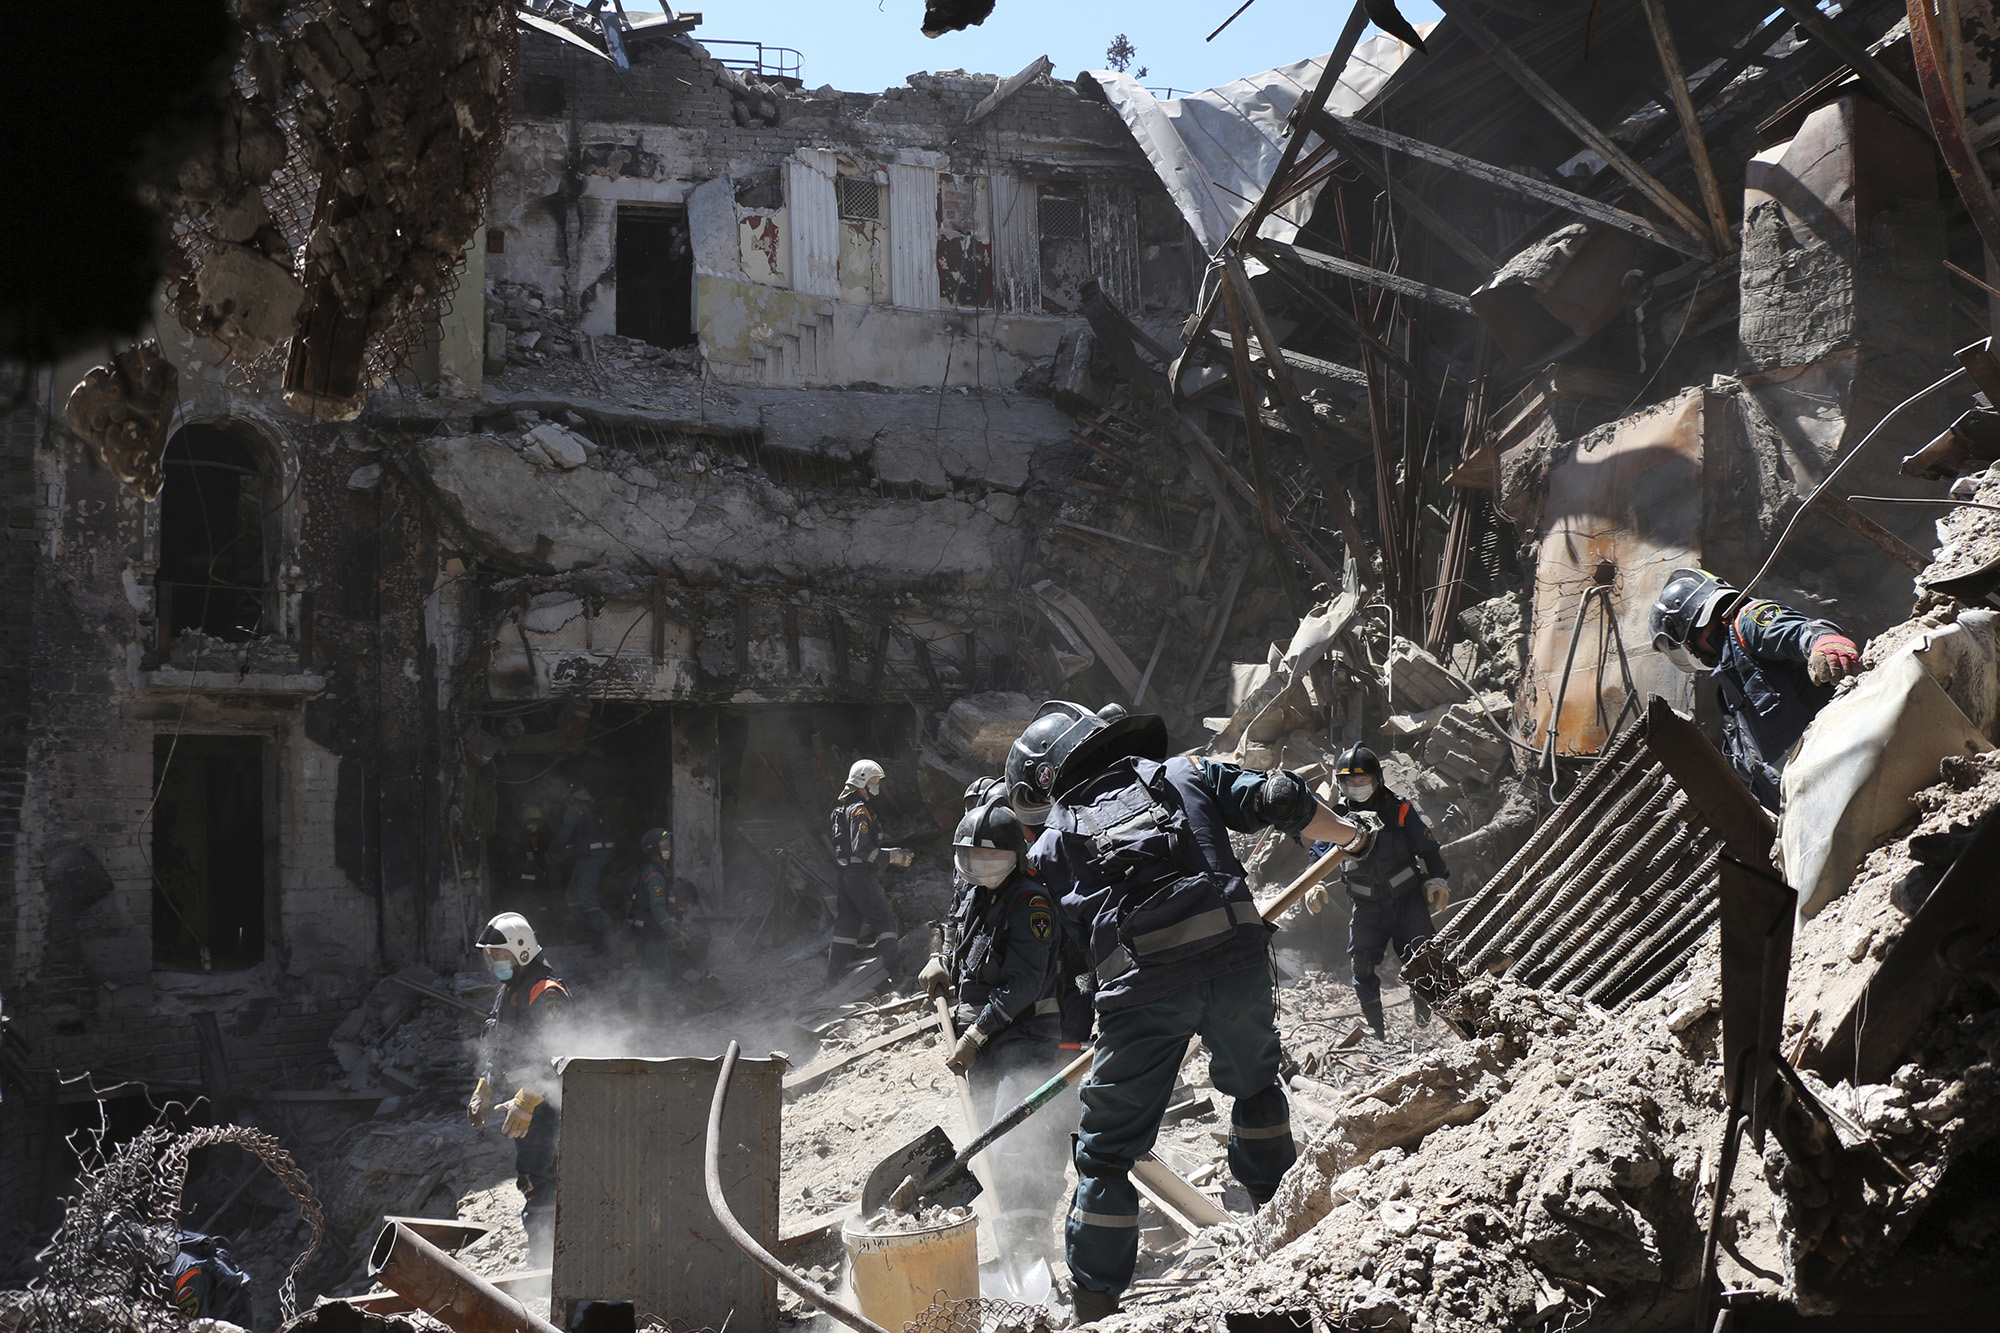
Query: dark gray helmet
(1067, 743)
(980, 791)
(1112, 712)
(1358, 762)
(993, 825)
(1691, 599)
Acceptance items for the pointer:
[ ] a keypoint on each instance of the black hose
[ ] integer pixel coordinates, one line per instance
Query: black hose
(763, 1258)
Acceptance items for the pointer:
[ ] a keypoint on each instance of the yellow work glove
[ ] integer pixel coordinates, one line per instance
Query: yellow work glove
(520, 1114)
(1438, 893)
(480, 1105)
(934, 978)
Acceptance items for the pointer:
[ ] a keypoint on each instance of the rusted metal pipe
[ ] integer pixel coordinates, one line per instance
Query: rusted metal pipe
(763, 1258)
(445, 1289)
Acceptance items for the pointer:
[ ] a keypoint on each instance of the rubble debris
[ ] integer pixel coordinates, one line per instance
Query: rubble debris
(124, 409)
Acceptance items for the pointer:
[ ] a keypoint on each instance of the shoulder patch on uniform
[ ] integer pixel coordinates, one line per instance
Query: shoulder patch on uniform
(1041, 919)
(1765, 613)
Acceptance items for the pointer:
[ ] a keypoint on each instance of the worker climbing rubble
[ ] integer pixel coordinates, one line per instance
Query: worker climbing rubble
(1000, 965)
(522, 1034)
(1774, 668)
(1136, 849)
(860, 855)
(1383, 886)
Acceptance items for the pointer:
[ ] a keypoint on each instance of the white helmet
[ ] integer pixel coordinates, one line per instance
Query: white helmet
(511, 931)
(864, 774)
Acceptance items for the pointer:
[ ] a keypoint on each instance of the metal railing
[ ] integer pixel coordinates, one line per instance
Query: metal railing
(766, 62)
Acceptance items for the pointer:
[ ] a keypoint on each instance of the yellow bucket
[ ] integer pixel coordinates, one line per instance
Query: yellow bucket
(897, 1275)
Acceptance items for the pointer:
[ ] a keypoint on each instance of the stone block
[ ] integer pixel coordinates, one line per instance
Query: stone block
(564, 447)
(1418, 681)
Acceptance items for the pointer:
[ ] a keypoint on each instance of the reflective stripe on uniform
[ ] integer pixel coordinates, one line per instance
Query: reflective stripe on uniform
(1283, 1131)
(1104, 1219)
(842, 939)
(1048, 1006)
(1116, 965)
(1201, 926)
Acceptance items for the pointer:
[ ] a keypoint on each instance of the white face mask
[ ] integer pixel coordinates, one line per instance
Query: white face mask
(875, 786)
(1357, 792)
(987, 867)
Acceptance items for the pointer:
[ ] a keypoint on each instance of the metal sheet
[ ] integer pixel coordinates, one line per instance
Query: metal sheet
(632, 1222)
(1624, 508)
(813, 218)
(913, 234)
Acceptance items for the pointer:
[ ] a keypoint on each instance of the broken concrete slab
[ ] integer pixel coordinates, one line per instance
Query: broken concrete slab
(983, 726)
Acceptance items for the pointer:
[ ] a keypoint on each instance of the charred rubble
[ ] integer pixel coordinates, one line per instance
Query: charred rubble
(550, 402)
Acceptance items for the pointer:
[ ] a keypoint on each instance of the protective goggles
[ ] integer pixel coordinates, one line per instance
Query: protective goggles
(985, 866)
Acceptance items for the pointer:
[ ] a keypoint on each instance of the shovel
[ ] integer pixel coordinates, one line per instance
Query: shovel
(928, 1170)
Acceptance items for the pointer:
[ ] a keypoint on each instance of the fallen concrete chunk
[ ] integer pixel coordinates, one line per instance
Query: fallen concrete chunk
(565, 448)
(983, 726)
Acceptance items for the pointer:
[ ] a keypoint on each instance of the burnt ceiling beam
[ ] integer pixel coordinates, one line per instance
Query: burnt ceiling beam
(1374, 277)
(1567, 200)
(1405, 197)
(1940, 62)
(1559, 107)
(1253, 438)
(1697, 146)
(1872, 73)
(1296, 278)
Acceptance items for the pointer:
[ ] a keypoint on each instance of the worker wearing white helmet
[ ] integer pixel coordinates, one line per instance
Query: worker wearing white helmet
(522, 1034)
(859, 855)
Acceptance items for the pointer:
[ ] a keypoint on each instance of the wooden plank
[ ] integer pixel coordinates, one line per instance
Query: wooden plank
(1347, 376)
(1374, 277)
(821, 1228)
(1406, 197)
(1867, 68)
(1260, 457)
(1073, 610)
(805, 1080)
(1567, 200)
(1556, 105)
(1184, 1205)
(1697, 146)
(1146, 677)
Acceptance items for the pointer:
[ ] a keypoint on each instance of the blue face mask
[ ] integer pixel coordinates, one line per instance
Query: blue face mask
(504, 971)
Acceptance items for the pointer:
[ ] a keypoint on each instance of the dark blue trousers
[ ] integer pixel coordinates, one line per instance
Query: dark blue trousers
(1404, 920)
(1139, 1054)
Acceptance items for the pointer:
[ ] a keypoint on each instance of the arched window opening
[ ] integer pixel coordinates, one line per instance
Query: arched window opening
(215, 509)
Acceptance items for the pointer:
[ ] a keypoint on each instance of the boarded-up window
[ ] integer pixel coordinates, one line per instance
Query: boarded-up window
(1065, 235)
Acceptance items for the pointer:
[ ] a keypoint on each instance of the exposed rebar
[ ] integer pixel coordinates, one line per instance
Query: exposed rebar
(1558, 885)
(1568, 886)
(1609, 922)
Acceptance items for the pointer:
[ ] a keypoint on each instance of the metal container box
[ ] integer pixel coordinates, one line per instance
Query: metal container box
(632, 1215)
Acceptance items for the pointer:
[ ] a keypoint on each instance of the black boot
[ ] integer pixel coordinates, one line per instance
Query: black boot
(1372, 1011)
(838, 956)
(1092, 1306)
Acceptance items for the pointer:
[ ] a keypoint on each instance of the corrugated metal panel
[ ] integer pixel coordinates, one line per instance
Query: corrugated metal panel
(814, 217)
(632, 1216)
(1624, 509)
(913, 231)
(1114, 243)
(1017, 243)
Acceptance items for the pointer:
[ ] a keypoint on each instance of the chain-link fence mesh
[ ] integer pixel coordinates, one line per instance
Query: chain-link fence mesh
(109, 1265)
(978, 1315)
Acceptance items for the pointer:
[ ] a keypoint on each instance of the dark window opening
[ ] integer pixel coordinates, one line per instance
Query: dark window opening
(859, 197)
(213, 512)
(655, 276)
(1064, 225)
(496, 242)
(542, 95)
(208, 852)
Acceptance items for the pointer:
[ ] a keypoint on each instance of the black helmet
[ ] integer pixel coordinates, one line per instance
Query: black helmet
(1067, 743)
(650, 840)
(980, 791)
(988, 845)
(1358, 762)
(1690, 600)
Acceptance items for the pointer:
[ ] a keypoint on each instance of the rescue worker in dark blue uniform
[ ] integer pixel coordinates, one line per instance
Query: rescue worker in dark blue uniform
(660, 911)
(859, 855)
(581, 837)
(1136, 851)
(1384, 886)
(1000, 965)
(523, 1033)
(1774, 668)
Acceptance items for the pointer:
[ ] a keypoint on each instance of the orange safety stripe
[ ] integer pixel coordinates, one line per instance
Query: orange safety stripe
(1403, 815)
(536, 991)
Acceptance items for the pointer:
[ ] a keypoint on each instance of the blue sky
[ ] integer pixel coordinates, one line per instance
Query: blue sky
(869, 45)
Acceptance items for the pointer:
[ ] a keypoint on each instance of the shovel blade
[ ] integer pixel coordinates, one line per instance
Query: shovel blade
(917, 1160)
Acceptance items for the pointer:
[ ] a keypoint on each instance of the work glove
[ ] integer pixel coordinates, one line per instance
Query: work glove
(1316, 898)
(520, 1114)
(967, 1050)
(480, 1105)
(934, 978)
(1283, 801)
(900, 857)
(1367, 827)
(1437, 892)
(1834, 657)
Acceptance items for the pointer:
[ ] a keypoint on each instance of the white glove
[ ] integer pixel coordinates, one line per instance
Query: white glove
(934, 978)
(1316, 899)
(1438, 893)
(900, 857)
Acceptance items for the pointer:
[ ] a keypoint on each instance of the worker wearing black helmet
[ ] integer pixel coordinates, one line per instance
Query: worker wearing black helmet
(1384, 886)
(1136, 852)
(1774, 668)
